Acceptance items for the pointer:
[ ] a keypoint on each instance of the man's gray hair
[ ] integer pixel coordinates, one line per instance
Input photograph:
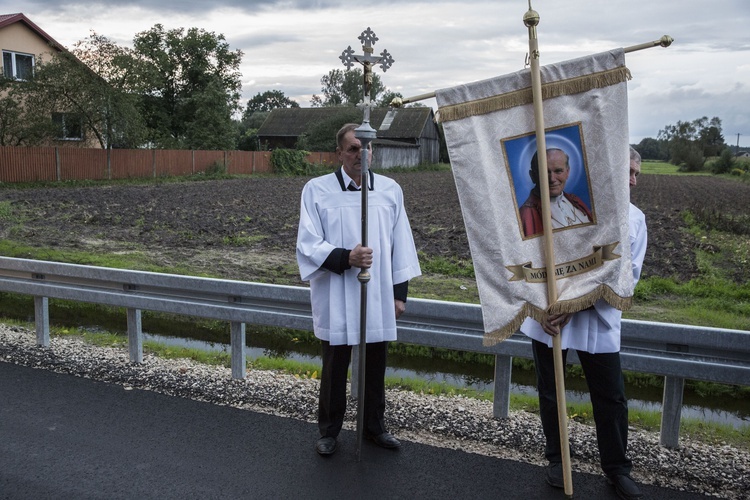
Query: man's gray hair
(635, 156)
(348, 127)
(345, 129)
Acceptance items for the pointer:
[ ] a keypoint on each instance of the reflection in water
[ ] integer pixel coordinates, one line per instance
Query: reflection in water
(522, 381)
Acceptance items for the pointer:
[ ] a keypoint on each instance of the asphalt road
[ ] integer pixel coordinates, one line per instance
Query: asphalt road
(66, 437)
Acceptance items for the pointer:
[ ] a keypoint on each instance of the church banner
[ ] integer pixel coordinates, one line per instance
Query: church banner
(490, 131)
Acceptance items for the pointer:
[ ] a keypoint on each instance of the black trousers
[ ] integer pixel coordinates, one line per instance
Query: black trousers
(332, 399)
(607, 391)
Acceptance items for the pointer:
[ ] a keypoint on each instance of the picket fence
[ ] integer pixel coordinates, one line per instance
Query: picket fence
(35, 164)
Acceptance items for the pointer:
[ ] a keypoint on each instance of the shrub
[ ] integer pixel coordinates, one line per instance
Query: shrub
(289, 161)
(689, 157)
(217, 168)
(723, 163)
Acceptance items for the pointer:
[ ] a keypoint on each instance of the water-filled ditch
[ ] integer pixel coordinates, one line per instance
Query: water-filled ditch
(214, 336)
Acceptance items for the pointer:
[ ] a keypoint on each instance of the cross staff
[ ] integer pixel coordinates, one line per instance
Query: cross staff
(365, 133)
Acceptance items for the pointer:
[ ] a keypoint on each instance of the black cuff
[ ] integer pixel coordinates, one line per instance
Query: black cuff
(337, 261)
(400, 291)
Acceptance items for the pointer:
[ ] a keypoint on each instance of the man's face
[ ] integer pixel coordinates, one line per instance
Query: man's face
(350, 156)
(635, 171)
(558, 170)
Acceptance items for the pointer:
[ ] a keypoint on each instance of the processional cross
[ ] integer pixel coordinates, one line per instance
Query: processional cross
(365, 133)
(367, 60)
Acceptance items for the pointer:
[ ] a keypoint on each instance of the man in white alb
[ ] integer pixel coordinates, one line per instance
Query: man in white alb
(595, 335)
(329, 255)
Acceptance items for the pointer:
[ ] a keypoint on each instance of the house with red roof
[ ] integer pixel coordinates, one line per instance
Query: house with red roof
(24, 46)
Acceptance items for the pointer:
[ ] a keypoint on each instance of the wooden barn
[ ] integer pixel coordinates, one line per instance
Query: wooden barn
(406, 137)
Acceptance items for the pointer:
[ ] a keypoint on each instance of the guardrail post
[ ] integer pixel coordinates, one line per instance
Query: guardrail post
(237, 334)
(671, 411)
(41, 320)
(501, 400)
(135, 335)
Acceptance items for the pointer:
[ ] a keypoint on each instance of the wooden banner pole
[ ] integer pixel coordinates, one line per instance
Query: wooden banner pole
(531, 20)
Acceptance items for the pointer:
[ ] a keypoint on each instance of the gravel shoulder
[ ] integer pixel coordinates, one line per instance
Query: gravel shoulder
(450, 422)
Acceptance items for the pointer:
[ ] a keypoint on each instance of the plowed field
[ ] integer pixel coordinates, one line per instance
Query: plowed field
(246, 228)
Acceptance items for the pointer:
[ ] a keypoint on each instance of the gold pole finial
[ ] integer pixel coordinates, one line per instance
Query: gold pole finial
(531, 18)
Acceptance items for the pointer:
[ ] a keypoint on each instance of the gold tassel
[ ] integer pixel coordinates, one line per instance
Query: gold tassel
(497, 336)
(523, 96)
(565, 307)
(588, 300)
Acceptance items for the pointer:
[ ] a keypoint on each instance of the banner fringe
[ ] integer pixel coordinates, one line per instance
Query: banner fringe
(565, 307)
(588, 300)
(523, 96)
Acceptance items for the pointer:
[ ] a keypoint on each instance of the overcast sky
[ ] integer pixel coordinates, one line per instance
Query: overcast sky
(289, 45)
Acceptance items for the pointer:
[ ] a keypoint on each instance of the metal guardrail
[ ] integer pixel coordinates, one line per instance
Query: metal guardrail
(677, 352)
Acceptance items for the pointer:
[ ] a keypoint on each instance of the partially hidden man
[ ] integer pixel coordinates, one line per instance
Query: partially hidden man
(594, 333)
(330, 255)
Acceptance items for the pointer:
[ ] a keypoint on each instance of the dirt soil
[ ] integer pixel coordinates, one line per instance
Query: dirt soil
(246, 228)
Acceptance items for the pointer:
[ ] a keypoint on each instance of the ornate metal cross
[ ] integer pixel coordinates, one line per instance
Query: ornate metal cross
(367, 60)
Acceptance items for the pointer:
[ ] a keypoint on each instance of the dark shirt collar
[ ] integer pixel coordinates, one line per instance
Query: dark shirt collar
(341, 175)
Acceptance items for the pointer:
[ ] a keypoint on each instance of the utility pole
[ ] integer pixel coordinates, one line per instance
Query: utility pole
(738, 143)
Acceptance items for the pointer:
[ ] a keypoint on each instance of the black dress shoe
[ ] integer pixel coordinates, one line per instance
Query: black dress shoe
(385, 440)
(555, 475)
(625, 487)
(326, 445)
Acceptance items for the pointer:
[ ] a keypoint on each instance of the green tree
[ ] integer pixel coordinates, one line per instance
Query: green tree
(184, 74)
(346, 88)
(724, 163)
(117, 65)
(710, 136)
(652, 149)
(212, 126)
(268, 100)
(21, 125)
(124, 125)
(690, 142)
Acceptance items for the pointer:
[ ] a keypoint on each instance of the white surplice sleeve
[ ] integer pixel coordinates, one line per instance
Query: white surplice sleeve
(312, 248)
(405, 260)
(638, 241)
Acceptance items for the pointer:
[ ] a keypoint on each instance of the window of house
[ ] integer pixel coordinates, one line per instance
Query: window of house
(17, 66)
(70, 126)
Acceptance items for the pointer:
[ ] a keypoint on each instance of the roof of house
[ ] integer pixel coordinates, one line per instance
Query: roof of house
(390, 123)
(8, 19)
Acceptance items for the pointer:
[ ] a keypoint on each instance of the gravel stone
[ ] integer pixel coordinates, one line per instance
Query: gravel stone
(459, 423)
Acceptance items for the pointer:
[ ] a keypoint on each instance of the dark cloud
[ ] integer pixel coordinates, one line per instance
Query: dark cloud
(188, 6)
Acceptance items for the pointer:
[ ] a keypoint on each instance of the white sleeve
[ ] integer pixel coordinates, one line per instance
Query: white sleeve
(404, 252)
(312, 248)
(638, 241)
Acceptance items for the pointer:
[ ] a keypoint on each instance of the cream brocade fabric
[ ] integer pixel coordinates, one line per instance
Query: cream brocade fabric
(477, 117)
